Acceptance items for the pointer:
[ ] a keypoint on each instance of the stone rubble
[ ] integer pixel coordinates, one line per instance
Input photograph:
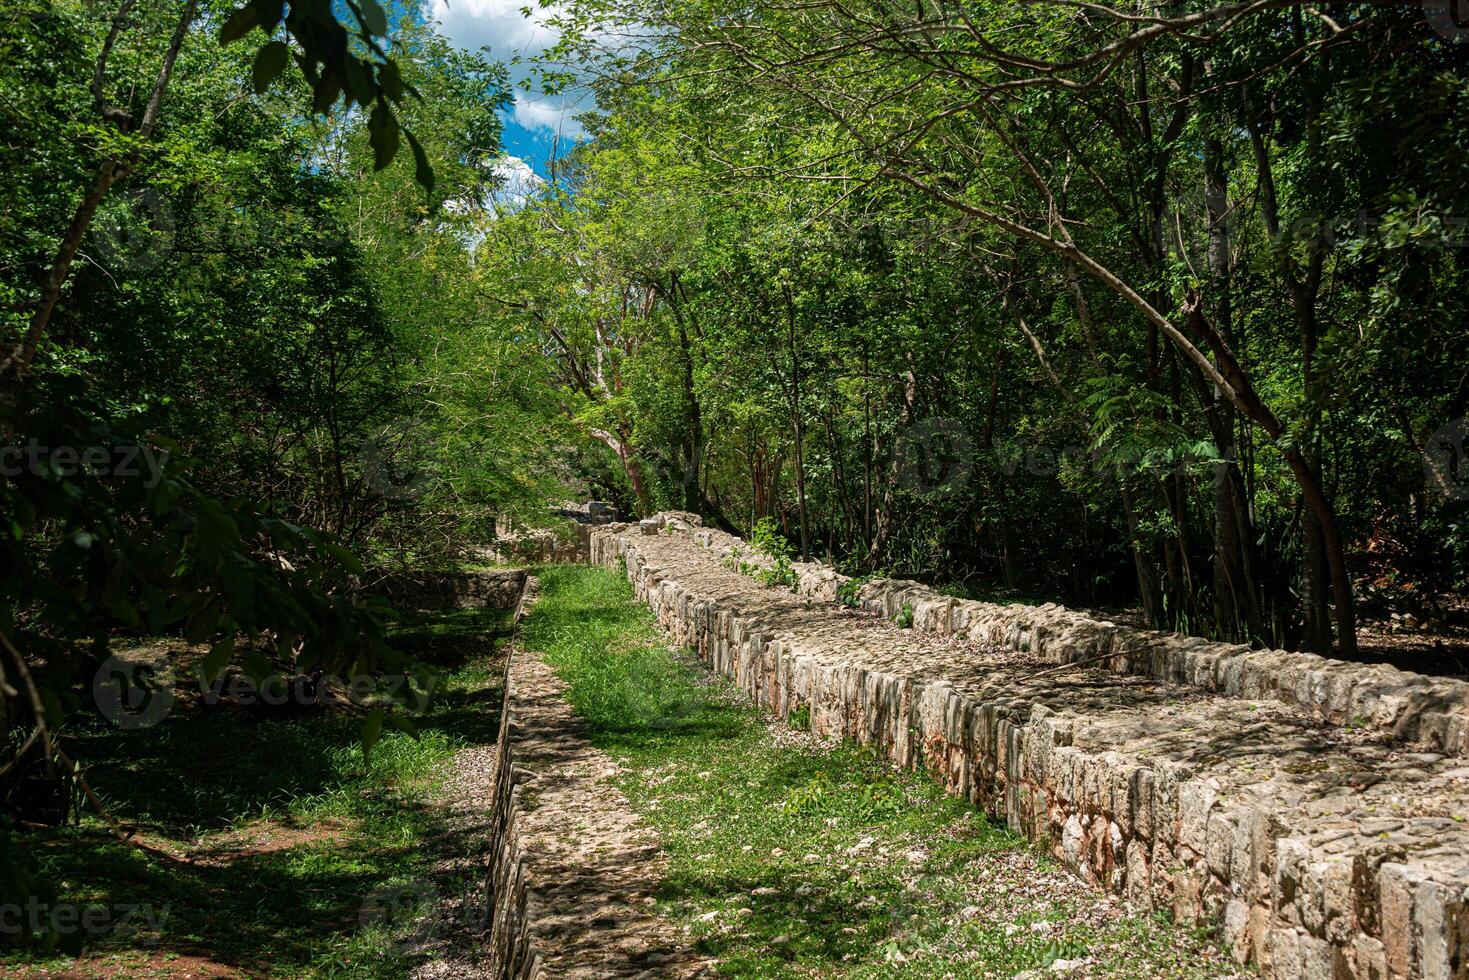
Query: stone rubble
(1315, 809)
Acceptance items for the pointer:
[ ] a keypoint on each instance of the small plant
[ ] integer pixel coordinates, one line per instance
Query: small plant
(766, 539)
(860, 802)
(780, 573)
(905, 617)
(880, 801)
(732, 561)
(811, 799)
(765, 536)
(1058, 949)
(849, 593)
(800, 718)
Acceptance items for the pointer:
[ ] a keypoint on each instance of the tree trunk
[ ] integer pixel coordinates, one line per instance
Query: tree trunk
(1237, 609)
(1321, 548)
(108, 173)
(1149, 591)
(631, 465)
(693, 491)
(883, 521)
(799, 426)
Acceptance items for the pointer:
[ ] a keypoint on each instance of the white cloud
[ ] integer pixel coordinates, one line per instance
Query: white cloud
(517, 182)
(502, 26)
(497, 24)
(554, 115)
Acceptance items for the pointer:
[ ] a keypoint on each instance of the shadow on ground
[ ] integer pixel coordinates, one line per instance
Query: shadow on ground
(267, 841)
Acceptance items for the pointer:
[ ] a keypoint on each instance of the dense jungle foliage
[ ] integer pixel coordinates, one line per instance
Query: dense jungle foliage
(1150, 306)
(1158, 306)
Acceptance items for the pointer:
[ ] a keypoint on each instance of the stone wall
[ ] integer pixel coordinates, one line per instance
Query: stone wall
(572, 869)
(568, 544)
(1430, 711)
(494, 588)
(513, 951)
(1314, 809)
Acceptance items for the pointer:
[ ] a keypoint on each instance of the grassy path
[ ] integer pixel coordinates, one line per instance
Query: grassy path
(789, 857)
(273, 848)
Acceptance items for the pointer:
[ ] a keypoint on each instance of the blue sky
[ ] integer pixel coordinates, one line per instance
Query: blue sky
(535, 122)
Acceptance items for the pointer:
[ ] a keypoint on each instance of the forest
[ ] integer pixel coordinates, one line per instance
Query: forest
(1153, 308)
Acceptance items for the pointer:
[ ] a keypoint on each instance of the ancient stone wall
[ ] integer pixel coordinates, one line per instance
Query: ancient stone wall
(1430, 711)
(513, 952)
(571, 868)
(494, 588)
(568, 544)
(1315, 809)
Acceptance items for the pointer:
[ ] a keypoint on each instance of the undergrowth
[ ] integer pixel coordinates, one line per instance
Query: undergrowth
(269, 845)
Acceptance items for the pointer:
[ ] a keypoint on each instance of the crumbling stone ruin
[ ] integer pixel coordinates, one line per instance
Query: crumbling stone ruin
(1315, 808)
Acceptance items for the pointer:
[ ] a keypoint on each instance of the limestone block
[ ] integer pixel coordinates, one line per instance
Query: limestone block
(1166, 802)
(1196, 798)
(1139, 886)
(1142, 797)
(1237, 927)
(1219, 836)
(1441, 927)
(1188, 886)
(1397, 884)
(1368, 959)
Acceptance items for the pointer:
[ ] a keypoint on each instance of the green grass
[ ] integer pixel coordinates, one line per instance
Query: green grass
(789, 857)
(267, 832)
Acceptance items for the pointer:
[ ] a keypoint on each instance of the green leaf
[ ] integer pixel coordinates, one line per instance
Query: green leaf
(270, 13)
(125, 612)
(374, 17)
(372, 729)
(240, 23)
(51, 705)
(391, 79)
(219, 657)
(423, 173)
(359, 87)
(327, 89)
(166, 496)
(203, 623)
(344, 556)
(256, 666)
(270, 61)
(215, 531)
(239, 588)
(383, 135)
